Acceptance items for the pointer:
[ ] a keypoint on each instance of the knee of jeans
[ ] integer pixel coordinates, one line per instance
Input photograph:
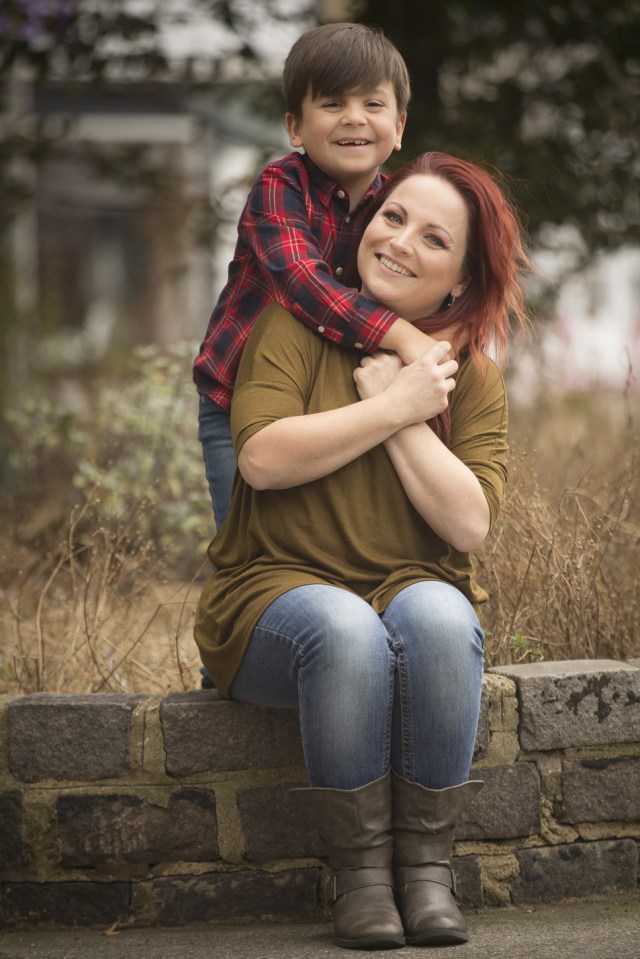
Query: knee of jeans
(456, 634)
(437, 611)
(351, 640)
(458, 621)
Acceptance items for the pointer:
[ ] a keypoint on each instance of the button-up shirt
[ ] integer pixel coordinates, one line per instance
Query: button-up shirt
(295, 236)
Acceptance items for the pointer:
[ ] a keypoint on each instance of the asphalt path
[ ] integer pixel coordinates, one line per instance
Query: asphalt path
(606, 929)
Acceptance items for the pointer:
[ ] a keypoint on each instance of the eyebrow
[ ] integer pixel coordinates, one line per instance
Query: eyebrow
(427, 226)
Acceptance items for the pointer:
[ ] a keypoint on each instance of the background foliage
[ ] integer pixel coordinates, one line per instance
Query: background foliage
(549, 93)
(105, 514)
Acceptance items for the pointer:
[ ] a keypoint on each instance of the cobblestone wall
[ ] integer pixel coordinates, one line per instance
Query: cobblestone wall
(116, 808)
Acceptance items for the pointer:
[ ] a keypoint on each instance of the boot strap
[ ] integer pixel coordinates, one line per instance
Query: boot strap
(413, 849)
(440, 872)
(347, 880)
(374, 856)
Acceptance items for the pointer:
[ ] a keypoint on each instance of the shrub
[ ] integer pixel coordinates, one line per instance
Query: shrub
(134, 452)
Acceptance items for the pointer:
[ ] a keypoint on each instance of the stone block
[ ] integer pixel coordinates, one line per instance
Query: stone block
(482, 735)
(249, 894)
(577, 870)
(576, 703)
(273, 825)
(468, 876)
(12, 851)
(508, 806)
(205, 733)
(67, 903)
(601, 790)
(69, 737)
(95, 829)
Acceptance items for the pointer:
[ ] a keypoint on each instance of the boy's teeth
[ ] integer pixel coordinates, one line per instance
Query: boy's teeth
(357, 143)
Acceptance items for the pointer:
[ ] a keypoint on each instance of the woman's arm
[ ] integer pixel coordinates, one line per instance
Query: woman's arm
(443, 490)
(299, 449)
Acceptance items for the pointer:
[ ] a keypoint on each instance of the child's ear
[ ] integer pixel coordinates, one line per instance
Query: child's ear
(293, 129)
(402, 119)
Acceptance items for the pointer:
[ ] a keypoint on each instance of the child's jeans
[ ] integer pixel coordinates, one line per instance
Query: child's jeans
(214, 433)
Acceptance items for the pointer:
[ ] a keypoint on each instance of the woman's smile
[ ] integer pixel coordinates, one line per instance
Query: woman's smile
(419, 233)
(393, 265)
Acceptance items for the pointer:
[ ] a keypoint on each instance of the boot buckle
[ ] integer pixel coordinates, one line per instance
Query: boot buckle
(331, 891)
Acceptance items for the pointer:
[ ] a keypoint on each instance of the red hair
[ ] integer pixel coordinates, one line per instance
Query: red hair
(492, 304)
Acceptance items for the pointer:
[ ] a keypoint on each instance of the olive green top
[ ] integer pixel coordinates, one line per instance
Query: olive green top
(356, 528)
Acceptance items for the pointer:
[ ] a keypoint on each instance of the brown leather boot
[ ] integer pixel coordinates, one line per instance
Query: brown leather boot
(355, 825)
(423, 826)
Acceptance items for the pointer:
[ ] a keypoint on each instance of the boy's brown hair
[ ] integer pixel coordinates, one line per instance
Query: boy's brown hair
(339, 58)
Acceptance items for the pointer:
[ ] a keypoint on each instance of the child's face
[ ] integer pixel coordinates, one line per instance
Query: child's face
(412, 254)
(349, 137)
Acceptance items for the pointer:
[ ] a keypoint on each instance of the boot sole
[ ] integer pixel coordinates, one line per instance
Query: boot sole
(372, 942)
(449, 938)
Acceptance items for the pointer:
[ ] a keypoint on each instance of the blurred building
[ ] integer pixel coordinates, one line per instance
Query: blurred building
(123, 192)
(116, 236)
(591, 340)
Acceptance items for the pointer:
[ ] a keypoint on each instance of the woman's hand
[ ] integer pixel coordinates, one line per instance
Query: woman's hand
(305, 447)
(421, 389)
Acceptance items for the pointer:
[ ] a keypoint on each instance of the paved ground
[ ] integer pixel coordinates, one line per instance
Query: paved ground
(588, 930)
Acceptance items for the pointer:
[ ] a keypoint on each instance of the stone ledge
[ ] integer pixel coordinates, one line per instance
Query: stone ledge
(69, 737)
(128, 807)
(205, 733)
(576, 703)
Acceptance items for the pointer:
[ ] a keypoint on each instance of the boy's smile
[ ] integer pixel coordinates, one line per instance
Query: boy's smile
(349, 136)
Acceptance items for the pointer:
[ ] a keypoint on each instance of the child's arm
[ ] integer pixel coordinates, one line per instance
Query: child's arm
(406, 340)
(289, 237)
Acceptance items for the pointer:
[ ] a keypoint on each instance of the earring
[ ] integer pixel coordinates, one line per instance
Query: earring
(449, 301)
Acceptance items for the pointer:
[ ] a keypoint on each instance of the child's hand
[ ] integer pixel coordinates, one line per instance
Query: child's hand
(376, 373)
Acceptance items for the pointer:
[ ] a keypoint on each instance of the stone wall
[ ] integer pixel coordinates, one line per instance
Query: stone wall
(132, 808)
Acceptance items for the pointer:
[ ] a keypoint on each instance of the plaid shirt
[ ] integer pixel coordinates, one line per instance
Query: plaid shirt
(294, 236)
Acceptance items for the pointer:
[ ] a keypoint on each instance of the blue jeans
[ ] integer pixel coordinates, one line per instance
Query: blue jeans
(214, 433)
(400, 689)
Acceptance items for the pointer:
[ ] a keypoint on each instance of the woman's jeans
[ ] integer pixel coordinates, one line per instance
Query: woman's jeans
(214, 433)
(402, 688)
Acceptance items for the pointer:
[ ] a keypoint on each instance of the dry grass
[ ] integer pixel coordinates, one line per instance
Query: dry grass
(93, 610)
(93, 615)
(562, 565)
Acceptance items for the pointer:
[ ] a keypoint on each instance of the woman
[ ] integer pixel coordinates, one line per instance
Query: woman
(343, 584)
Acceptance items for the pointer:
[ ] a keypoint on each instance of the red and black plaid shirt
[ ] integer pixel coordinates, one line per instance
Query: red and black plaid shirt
(295, 235)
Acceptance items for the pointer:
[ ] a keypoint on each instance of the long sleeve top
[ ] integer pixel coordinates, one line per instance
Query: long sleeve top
(295, 236)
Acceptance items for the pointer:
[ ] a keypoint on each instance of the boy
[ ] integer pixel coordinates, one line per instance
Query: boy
(346, 91)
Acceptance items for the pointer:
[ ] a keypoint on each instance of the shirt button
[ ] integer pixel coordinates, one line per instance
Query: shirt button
(358, 346)
(339, 271)
(321, 329)
(347, 219)
(341, 194)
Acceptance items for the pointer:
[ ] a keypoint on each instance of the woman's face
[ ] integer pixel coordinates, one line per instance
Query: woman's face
(412, 253)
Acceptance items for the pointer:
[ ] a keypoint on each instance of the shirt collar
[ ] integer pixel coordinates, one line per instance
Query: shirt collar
(327, 186)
